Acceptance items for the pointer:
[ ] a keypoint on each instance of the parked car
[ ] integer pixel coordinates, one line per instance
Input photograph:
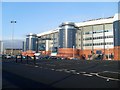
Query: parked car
(37, 57)
(8, 56)
(13, 56)
(3, 56)
(24, 57)
(59, 58)
(63, 58)
(53, 57)
(75, 59)
(18, 56)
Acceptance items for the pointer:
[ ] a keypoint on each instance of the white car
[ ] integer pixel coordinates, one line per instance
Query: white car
(8, 56)
(18, 56)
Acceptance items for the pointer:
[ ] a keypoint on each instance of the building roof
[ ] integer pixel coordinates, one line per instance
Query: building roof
(86, 23)
(48, 32)
(99, 20)
(95, 21)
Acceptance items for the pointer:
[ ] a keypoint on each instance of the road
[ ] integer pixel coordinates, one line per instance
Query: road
(60, 74)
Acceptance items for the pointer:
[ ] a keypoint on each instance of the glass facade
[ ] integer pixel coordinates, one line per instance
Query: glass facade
(117, 33)
(96, 36)
(98, 31)
(27, 43)
(91, 35)
(48, 42)
(87, 33)
(67, 35)
(55, 42)
(31, 42)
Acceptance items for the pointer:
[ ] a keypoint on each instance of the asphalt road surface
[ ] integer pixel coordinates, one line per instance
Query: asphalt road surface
(60, 74)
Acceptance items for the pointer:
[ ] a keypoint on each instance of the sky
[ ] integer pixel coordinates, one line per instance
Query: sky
(60, 0)
(37, 17)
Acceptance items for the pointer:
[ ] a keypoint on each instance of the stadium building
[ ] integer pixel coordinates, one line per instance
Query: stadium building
(70, 39)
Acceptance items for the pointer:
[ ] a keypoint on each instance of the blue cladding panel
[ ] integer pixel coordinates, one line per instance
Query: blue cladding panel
(116, 26)
(27, 43)
(71, 38)
(33, 44)
(67, 35)
(61, 37)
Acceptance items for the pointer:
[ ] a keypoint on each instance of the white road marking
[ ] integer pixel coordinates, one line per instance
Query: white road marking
(52, 69)
(112, 72)
(82, 72)
(107, 77)
(73, 70)
(36, 66)
(59, 70)
(93, 73)
(88, 75)
(67, 71)
(108, 80)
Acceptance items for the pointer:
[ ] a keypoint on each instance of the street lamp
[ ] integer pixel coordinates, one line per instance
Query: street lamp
(13, 22)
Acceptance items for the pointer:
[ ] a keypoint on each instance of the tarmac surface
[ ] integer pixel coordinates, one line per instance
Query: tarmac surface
(60, 74)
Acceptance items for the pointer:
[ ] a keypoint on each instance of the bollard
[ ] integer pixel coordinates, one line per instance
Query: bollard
(34, 60)
(27, 59)
(16, 58)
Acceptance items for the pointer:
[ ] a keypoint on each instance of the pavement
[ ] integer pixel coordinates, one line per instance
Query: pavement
(60, 74)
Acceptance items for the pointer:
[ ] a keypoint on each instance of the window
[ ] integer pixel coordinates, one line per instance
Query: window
(108, 27)
(106, 31)
(97, 29)
(87, 44)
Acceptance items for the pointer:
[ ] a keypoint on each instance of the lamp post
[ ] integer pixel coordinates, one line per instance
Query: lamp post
(12, 22)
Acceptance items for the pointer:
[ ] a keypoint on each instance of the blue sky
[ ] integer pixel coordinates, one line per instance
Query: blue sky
(39, 17)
